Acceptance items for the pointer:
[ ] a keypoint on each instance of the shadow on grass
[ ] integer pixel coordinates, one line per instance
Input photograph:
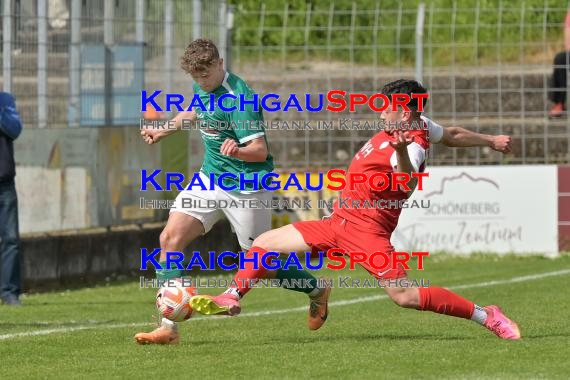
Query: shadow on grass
(269, 341)
(385, 336)
(542, 336)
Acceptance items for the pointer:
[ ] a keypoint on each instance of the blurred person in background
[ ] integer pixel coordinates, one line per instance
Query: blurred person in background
(561, 65)
(10, 129)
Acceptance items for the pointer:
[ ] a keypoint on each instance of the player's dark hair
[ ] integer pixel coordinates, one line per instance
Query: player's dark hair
(199, 55)
(408, 87)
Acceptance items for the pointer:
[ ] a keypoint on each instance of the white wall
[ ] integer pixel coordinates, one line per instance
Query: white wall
(498, 209)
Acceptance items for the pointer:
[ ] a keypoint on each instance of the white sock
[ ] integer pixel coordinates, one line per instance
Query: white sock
(168, 323)
(234, 292)
(479, 315)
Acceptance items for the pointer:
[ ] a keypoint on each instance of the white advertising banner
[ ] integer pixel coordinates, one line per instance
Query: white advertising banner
(500, 209)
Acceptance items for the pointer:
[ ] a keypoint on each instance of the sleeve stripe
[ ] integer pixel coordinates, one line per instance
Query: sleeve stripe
(251, 137)
(226, 85)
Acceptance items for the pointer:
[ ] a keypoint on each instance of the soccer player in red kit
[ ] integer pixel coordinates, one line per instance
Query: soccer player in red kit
(369, 230)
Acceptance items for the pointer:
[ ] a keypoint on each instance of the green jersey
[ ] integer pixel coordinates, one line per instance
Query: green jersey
(218, 125)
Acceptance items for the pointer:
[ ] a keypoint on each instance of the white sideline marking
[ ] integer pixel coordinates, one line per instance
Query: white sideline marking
(283, 311)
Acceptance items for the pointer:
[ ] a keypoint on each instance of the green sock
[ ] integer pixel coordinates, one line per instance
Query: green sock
(298, 280)
(167, 274)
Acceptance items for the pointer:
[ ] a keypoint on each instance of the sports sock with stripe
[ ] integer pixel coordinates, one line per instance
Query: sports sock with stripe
(298, 280)
(479, 315)
(167, 274)
(244, 277)
(443, 301)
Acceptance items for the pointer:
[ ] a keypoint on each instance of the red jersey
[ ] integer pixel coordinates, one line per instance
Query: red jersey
(378, 156)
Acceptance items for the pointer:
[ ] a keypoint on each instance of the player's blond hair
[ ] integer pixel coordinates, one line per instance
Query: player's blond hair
(199, 55)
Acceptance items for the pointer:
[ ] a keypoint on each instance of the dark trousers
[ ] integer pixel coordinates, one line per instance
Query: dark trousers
(10, 277)
(558, 84)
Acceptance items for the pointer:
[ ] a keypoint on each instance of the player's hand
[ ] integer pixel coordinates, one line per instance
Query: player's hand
(229, 148)
(402, 140)
(152, 136)
(501, 144)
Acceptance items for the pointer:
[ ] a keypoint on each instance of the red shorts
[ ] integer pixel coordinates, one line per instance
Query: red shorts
(337, 232)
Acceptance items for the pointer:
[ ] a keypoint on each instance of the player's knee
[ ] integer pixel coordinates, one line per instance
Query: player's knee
(405, 299)
(278, 240)
(169, 241)
(263, 241)
(164, 238)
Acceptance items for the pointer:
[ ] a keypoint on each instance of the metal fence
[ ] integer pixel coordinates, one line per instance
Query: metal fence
(75, 64)
(76, 69)
(72, 63)
(487, 65)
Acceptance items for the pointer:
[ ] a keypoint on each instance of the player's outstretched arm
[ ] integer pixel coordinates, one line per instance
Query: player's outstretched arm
(152, 136)
(253, 151)
(458, 137)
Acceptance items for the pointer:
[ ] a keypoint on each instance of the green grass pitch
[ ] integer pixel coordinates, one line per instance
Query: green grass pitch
(88, 333)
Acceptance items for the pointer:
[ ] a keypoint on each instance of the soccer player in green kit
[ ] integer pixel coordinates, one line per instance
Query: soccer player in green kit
(243, 149)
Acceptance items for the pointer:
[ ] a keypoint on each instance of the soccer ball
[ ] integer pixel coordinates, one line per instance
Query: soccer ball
(173, 300)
